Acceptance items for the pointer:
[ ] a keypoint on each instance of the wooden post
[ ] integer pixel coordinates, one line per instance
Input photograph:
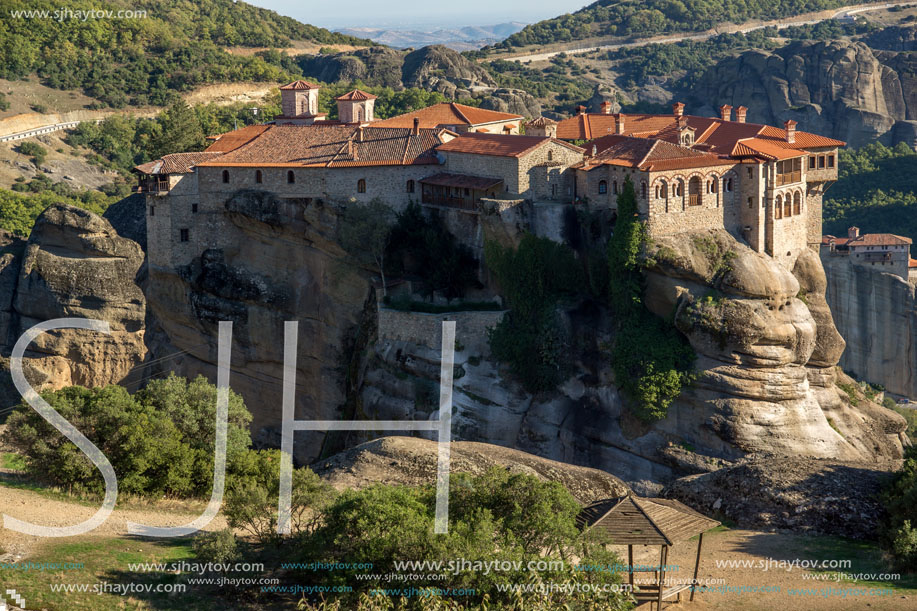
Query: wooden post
(630, 565)
(663, 556)
(700, 542)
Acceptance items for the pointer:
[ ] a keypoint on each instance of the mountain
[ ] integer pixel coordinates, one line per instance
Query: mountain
(174, 46)
(617, 18)
(461, 39)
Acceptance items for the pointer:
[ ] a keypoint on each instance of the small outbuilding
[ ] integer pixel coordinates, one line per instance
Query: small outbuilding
(631, 520)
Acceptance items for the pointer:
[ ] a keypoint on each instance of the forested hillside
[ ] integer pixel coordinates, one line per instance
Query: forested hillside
(642, 18)
(150, 60)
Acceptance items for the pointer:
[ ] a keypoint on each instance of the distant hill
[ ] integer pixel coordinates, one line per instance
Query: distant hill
(461, 39)
(644, 18)
(176, 46)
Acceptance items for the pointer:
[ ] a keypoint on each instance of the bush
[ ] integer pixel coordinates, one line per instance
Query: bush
(218, 547)
(159, 441)
(900, 501)
(39, 108)
(35, 150)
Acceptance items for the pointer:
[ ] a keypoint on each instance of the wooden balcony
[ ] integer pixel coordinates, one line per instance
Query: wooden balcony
(461, 203)
(789, 178)
(694, 199)
(160, 187)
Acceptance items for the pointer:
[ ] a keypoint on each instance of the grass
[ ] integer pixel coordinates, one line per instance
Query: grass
(12, 461)
(105, 561)
(865, 557)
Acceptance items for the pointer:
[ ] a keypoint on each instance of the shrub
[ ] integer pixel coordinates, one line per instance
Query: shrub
(900, 501)
(159, 441)
(35, 150)
(39, 108)
(219, 547)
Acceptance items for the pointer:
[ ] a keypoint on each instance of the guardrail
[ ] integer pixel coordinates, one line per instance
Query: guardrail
(47, 129)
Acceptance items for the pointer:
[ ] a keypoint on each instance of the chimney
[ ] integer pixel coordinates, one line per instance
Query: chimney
(678, 109)
(360, 134)
(726, 112)
(853, 233)
(416, 129)
(790, 126)
(594, 150)
(581, 110)
(619, 123)
(740, 114)
(606, 107)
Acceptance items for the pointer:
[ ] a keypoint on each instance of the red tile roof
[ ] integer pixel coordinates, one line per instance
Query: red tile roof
(334, 146)
(498, 145)
(878, 239)
(541, 122)
(236, 138)
(912, 263)
(356, 95)
(448, 113)
(759, 147)
(649, 154)
(711, 134)
(300, 85)
(175, 163)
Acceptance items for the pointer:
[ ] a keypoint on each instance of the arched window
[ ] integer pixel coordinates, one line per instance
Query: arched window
(679, 188)
(797, 203)
(603, 187)
(643, 189)
(788, 206)
(665, 190)
(615, 186)
(714, 185)
(258, 176)
(729, 185)
(550, 155)
(778, 207)
(694, 193)
(410, 187)
(361, 186)
(291, 177)
(657, 191)
(226, 176)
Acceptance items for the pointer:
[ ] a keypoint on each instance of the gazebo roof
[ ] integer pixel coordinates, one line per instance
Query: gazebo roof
(644, 521)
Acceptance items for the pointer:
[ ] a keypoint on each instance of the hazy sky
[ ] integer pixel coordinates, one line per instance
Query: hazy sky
(409, 13)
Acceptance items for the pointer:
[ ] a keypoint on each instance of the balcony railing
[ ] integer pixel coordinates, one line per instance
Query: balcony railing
(462, 203)
(694, 199)
(789, 177)
(153, 186)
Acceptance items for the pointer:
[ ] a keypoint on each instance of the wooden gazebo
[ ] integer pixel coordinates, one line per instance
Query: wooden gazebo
(630, 520)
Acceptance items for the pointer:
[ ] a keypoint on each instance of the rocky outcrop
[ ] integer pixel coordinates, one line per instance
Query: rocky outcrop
(515, 101)
(439, 68)
(840, 89)
(409, 461)
(877, 313)
(75, 265)
(819, 496)
(379, 66)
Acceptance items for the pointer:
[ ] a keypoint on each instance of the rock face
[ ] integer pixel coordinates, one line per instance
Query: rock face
(410, 461)
(767, 383)
(439, 68)
(839, 89)
(821, 496)
(75, 265)
(258, 285)
(877, 313)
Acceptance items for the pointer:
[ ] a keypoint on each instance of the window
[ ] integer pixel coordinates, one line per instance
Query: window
(361, 186)
(603, 187)
(183, 235)
(152, 210)
(714, 185)
(665, 190)
(797, 203)
(225, 176)
(750, 202)
(729, 185)
(778, 207)
(694, 191)
(258, 176)
(830, 161)
(193, 208)
(550, 155)
(410, 187)
(811, 162)
(821, 162)
(787, 207)
(643, 190)
(749, 172)
(291, 177)
(553, 190)
(657, 191)
(615, 185)
(789, 171)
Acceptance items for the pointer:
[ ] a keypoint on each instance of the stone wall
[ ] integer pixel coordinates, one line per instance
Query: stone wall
(876, 313)
(426, 329)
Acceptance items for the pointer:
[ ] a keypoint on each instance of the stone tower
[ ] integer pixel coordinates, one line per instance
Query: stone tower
(542, 126)
(356, 107)
(299, 104)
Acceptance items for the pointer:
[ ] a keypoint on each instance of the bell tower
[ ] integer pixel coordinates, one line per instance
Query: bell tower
(299, 104)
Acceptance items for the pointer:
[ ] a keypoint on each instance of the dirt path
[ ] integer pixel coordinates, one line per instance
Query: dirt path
(805, 19)
(41, 509)
(756, 546)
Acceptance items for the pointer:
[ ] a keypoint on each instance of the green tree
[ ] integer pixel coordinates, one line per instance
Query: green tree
(364, 232)
(181, 131)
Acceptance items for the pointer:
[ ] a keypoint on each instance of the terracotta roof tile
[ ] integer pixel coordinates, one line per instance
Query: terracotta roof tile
(236, 138)
(356, 95)
(334, 146)
(447, 113)
(497, 145)
(300, 85)
(763, 148)
(176, 163)
(541, 122)
(650, 154)
(912, 263)
(878, 239)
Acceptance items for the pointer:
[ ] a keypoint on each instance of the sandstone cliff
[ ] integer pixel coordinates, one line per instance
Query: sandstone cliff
(74, 264)
(877, 313)
(840, 89)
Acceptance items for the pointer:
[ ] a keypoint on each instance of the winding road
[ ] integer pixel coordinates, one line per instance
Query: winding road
(805, 19)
